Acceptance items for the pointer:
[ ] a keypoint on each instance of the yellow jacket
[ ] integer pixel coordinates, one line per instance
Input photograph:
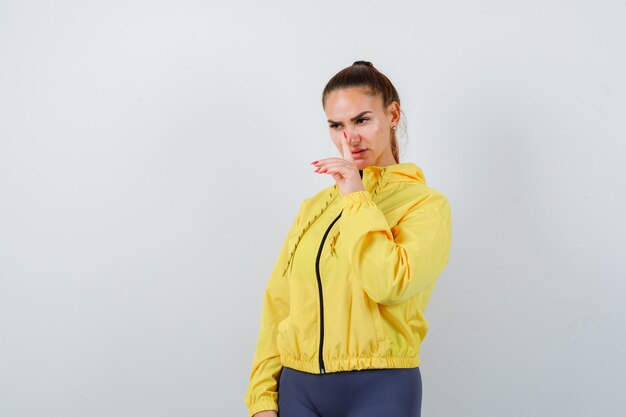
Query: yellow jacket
(352, 280)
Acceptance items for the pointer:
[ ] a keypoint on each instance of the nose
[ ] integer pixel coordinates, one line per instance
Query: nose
(350, 136)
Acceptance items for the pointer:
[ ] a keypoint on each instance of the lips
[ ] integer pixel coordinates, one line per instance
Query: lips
(358, 152)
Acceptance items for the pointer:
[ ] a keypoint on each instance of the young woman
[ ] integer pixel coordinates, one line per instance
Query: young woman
(343, 311)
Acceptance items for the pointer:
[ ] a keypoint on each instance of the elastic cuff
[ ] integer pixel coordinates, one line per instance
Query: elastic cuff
(357, 197)
(262, 405)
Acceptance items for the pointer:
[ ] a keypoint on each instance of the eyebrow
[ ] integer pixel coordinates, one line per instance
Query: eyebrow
(354, 118)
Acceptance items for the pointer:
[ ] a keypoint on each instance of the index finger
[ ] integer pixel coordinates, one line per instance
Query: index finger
(347, 154)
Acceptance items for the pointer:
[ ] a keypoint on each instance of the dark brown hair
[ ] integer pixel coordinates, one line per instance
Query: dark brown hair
(364, 74)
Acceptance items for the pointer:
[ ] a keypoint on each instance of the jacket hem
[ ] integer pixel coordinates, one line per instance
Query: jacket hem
(351, 364)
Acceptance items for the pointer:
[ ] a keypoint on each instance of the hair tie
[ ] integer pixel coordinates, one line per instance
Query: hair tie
(367, 63)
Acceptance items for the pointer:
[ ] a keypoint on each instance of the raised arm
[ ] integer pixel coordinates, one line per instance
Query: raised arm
(394, 264)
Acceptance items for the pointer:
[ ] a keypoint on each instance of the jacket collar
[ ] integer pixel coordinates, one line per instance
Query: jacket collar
(374, 176)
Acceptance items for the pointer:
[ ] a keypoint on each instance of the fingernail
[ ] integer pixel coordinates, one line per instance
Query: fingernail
(317, 170)
(314, 162)
(344, 134)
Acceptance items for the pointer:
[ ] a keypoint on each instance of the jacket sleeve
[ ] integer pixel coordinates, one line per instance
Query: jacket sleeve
(261, 393)
(394, 264)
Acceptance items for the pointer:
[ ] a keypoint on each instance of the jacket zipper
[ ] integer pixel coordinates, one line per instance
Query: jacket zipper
(319, 286)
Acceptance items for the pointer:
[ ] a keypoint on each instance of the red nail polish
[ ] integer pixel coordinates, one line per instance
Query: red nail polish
(344, 134)
(314, 162)
(317, 170)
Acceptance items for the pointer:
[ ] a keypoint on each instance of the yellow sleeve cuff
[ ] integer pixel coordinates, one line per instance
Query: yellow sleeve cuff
(363, 197)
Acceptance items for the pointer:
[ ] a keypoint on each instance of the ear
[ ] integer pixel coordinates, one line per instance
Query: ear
(394, 110)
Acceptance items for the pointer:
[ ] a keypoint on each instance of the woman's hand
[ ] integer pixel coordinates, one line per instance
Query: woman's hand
(269, 413)
(344, 170)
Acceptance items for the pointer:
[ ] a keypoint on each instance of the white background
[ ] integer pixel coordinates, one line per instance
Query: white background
(154, 153)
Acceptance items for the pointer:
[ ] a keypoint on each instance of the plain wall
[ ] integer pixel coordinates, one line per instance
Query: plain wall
(154, 153)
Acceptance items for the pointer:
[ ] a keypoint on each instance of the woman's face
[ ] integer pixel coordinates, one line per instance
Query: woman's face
(366, 123)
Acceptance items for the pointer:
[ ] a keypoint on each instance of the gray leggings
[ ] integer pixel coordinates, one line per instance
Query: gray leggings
(385, 392)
